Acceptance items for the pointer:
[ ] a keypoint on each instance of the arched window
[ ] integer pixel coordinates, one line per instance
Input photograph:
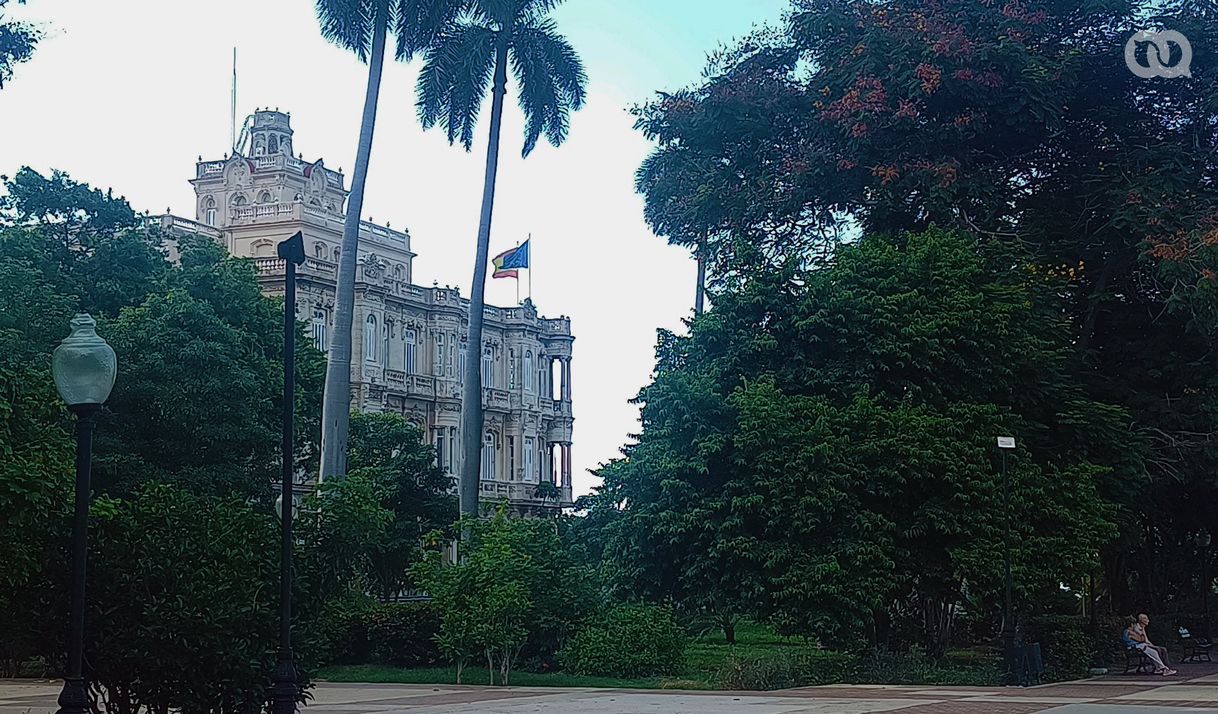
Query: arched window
(397, 272)
(319, 250)
(529, 374)
(512, 371)
(259, 147)
(338, 252)
(273, 146)
(209, 211)
(370, 338)
(488, 457)
(488, 367)
(319, 330)
(438, 362)
(264, 197)
(461, 364)
(408, 351)
(238, 200)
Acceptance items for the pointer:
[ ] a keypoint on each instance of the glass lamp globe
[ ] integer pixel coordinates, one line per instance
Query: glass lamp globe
(1203, 539)
(83, 364)
(279, 506)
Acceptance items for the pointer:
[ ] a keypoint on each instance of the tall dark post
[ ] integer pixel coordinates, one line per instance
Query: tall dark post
(1204, 541)
(284, 690)
(1008, 625)
(74, 699)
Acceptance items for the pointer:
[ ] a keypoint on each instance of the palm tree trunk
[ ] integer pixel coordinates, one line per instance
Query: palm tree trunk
(700, 290)
(336, 400)
(471, 394)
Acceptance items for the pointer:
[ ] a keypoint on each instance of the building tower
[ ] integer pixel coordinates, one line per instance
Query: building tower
(267, 133)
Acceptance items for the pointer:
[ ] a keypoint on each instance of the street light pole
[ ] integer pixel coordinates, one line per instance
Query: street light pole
(1006, 443)
(1203, 542)
(284, 688)
(84, 367)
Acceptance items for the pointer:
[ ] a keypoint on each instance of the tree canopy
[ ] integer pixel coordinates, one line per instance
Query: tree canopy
(1088, 192)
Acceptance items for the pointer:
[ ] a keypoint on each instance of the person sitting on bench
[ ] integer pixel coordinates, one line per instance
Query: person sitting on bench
(1136, 633)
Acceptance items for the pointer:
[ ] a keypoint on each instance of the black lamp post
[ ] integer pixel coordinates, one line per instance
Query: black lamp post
(1005, 444)
(1203, 543)
(284, 689)
(84, 367)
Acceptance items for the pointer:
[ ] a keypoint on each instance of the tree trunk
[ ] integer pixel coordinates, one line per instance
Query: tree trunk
(471, 392)
(700, 290)
(336, 400)
(729, 630)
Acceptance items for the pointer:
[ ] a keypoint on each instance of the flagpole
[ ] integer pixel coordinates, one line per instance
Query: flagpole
(517, 280)
(529, 240)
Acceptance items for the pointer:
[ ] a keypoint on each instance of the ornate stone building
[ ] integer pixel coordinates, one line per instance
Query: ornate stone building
(409, 341)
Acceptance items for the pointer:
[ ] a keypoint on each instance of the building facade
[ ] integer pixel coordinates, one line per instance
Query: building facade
(408, 341)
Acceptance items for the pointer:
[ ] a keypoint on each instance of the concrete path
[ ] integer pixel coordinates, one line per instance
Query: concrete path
(1195, 689)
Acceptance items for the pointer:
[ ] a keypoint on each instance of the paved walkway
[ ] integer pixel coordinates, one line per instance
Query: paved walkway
(1195, 689)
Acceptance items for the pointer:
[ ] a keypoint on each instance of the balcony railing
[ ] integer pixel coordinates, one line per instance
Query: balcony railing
(209, 168)
(523, 493)
(261, 211)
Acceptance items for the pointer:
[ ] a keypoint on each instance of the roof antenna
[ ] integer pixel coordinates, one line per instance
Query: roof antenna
(233, 124)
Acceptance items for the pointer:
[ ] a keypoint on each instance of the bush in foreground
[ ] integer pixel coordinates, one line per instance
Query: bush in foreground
(627, 641)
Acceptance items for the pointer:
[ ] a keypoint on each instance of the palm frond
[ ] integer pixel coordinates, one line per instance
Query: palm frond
(496, 13)
(417, 23)
(551, 79)
(348, 24)
(534, 11)
(456, 73)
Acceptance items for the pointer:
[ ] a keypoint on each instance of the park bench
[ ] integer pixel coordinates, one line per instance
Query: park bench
(1137, 662)
(1196, 649)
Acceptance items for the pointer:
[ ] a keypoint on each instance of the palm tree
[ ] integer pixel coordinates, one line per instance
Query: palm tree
(361, 26)
(468, 53)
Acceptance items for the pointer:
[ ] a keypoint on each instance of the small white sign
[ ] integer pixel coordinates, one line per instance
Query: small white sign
(1006, 442)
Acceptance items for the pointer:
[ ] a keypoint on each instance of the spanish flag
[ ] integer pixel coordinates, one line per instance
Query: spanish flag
(510, 261)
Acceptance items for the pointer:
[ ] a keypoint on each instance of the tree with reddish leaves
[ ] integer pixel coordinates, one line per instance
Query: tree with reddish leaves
(1019, 123)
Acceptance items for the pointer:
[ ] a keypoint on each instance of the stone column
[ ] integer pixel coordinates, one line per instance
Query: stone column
(566, 464)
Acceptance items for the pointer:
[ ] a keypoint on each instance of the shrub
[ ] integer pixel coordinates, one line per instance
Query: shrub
(336, 634)
(358, 630)
(627, 641)
(785, 670)
(914, 667)
(1104, 640)
(404, 634)
(1066, 648)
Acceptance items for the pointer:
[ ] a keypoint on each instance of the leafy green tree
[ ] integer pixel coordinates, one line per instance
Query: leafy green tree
(181, 616)
(35, 444)
(470, 50)
(1012, 122)
(82, 239)
(390, 452)
(17, 43)
(362, 27)
(821, 446)
(517, 587)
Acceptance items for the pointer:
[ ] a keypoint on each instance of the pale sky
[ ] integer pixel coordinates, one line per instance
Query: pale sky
(128, 93)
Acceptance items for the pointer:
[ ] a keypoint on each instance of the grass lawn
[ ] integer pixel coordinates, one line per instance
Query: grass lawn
(705, 655)
(385, 674)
